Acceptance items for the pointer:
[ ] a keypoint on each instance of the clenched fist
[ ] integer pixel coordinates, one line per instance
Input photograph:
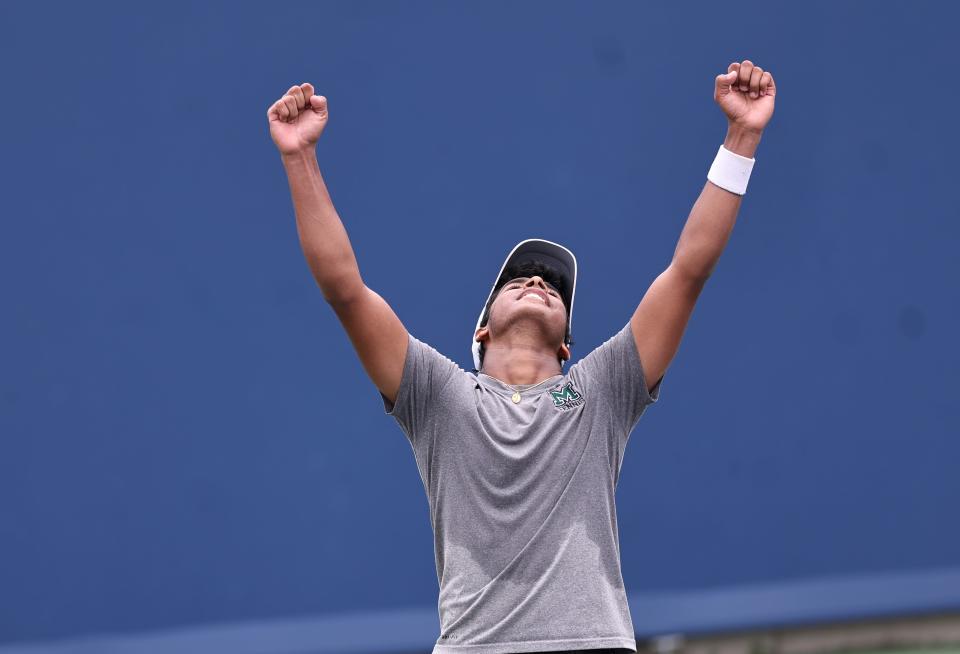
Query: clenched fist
(297, 119)
(746, 93)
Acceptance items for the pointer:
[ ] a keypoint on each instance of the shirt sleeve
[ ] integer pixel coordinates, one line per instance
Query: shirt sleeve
(615, 371)
(426, 376)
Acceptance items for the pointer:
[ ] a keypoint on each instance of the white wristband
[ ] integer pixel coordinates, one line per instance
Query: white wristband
(731, 171)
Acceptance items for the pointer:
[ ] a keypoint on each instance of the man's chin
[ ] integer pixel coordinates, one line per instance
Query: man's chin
(531, 317)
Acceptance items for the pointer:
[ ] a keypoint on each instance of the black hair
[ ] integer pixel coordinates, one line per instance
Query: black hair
(528, 268)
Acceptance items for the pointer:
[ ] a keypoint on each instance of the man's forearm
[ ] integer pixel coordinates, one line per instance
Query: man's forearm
(322, 235)
(711, 220)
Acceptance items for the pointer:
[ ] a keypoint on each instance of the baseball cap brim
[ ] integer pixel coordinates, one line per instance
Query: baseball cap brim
(548, 252)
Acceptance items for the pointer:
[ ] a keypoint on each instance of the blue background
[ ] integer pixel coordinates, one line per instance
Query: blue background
(187, 434)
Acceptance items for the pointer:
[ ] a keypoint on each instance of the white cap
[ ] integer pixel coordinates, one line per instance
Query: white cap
(548, 252)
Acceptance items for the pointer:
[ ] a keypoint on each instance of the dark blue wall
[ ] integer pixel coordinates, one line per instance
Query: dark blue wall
(187, 435)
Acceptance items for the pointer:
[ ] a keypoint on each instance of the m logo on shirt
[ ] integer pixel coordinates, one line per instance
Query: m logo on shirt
(566, 397)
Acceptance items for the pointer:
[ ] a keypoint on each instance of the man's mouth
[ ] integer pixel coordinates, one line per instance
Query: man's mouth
(534, 294)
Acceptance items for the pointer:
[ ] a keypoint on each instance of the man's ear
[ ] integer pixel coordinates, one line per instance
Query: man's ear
(482, 335)
(565, 352)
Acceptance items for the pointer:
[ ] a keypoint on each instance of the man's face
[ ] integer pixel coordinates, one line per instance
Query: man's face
(527, 299)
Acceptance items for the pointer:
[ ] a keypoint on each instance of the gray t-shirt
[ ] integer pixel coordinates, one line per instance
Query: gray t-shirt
(521, 497)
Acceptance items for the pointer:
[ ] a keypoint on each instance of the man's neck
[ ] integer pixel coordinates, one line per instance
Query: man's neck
(520, 363)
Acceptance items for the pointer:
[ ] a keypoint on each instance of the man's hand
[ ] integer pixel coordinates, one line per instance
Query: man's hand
(746, 93)
(297, 119)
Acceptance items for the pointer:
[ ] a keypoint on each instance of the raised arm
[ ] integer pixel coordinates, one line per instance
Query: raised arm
(746, 95)
(380, 339)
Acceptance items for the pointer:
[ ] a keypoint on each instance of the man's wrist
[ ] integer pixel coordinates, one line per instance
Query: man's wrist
(742, 141)
(305, 155)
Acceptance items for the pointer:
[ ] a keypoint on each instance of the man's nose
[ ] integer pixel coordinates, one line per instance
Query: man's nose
(536, 281)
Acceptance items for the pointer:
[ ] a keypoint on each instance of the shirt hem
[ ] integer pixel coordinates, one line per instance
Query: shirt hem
(537, 646)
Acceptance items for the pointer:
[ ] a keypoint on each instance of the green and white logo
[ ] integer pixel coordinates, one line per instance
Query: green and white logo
(566, 396)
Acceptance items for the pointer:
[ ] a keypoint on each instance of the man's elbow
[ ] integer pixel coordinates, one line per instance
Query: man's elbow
(695, 275)
(340, 291)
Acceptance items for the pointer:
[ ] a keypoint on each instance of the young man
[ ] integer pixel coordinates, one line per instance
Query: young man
(519, 459)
